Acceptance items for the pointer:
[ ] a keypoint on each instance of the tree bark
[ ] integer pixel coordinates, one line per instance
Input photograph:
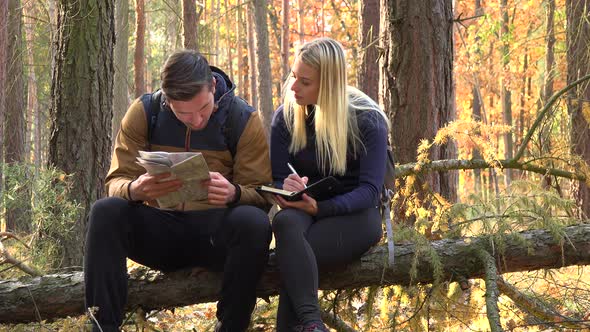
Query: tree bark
(578, 50)
(368, 73)
(251, 54)
(264, 81)
(3, 76)
(61, 295)
(139, 55)
(32, 132)
(506, 93)
(416, 90)
(81, 107)
(18, 218)
(301, 25)
(285, 44)
(121, 86)
(189, 24)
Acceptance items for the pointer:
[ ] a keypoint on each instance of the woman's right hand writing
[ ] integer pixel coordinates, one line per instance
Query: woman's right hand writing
(149, 187)
(294, 183)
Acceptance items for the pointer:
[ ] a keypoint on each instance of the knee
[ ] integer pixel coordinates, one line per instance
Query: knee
(107, 215)
(286, 221)
(252, 222)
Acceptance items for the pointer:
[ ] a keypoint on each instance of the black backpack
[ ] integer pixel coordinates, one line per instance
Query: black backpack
(152, 103)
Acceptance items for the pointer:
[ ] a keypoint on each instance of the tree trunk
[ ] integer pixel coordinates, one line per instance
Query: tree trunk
(368, 73)
(32, 130)
(215, 5)
(81, 107)
(62, 295)
(506, 93)
(241, 78)
(251, 55)
(189, 24)
(416, 89)
(264, 81)
(139, 55)
(230, 62)
(3, 77)
(285, 44)
(18, 218)
(121, 86)
(578, 50)
(300, 15)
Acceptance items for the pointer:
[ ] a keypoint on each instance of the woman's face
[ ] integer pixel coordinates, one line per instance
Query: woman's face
(306, 83)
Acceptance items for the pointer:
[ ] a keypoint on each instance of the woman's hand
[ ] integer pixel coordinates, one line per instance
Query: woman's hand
(294, 183)
(306, 204)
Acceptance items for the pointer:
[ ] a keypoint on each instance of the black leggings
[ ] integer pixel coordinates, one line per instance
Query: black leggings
(233, 240)
(303, 245)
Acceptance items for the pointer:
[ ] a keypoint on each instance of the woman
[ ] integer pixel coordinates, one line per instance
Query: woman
(323, 128)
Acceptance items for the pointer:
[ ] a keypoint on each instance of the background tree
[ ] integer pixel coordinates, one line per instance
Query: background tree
(578, 60)
(264, 80)
(121, 84)
(369, 32)
(285, 44)
(3, 56)
(17, 217)
(190, 22)
(139, 55)
(81, 107)
(506, 89)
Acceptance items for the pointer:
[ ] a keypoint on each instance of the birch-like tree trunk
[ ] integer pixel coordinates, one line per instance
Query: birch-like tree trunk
(121, 84)
(82, 107)
(506, 93)
(285, 44)
(33, 141)
(251, 55)
(139, 55)
(264, 81)
(578, 60)
(18, 216)
(3, 75)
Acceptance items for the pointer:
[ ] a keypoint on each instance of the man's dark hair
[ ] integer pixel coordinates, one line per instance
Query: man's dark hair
(185, 74)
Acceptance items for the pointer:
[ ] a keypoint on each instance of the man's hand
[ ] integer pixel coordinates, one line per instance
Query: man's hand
(306, 204)
(148, 187)
(221, 191)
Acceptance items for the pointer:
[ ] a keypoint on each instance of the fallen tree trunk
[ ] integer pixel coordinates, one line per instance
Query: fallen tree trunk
(53, 296)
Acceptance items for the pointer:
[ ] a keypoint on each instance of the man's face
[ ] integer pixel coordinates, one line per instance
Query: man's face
(195, 113)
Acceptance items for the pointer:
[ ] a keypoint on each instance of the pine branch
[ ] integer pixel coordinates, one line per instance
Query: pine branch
(9, 259)
(335, 322)
(535, 307)
(454, 164)
(492, 292)
(543, 113)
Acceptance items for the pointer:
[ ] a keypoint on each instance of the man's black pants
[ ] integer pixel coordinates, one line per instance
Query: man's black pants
(234, 240)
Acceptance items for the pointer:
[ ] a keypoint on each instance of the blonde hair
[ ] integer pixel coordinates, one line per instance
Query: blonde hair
(335, 121)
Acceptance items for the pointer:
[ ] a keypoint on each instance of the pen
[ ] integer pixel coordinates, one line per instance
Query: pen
(294, 172)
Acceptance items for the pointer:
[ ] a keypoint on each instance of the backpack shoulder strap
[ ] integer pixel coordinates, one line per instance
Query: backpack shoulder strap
(151, 107)
(234, 125)
(386, 195)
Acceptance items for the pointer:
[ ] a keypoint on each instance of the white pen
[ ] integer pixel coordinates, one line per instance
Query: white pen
(294, 172)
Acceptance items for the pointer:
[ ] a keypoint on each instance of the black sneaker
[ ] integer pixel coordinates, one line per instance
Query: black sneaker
(315, 327)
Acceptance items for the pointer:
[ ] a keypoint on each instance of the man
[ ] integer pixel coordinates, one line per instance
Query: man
(230, 230)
